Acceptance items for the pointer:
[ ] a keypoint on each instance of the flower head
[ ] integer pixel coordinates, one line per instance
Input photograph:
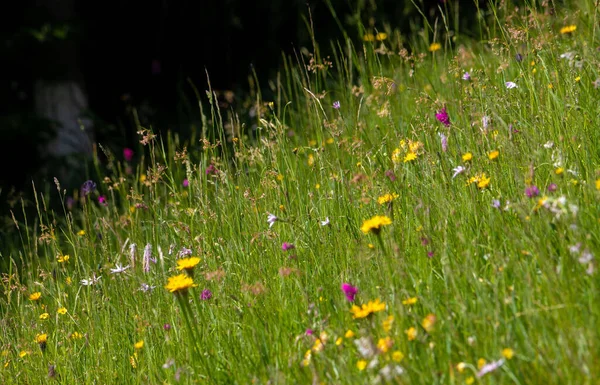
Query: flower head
(185, 183)
(206, 295)
(467, 157)
(336, 105)
(532, 191)
(325, 222)
(568, 29)
(187, 264)
(367, 309)
(466, 76)
(62, 311)
(287, 246)
(435, 47)
(349, 291)
(128, 154)
(458, 170)
(138, 345)
(35, 296)
(444, 140)
(119, 269)
(271, 219)
(443, 117)
(374, 224)
(510, 85)
(180, 283)
(493, 154)
(387, 198)
(87, 188)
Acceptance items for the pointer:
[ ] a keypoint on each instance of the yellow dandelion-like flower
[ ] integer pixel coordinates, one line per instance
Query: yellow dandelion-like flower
(81, 233)
(410, 157)
(381, 36)
(318, 345)
(23, 353)
(138, 345)
(470, 380)
(143, 178)
(559, 170)
(467, 157)
(187, 263)
(396, 155)
(461, 366)
(63, 258)
(508, 353)
(367, 309)
(387, 323)
(361, 365)
(349, 334)
(374, 224)
(44, 316)
(180, 283)
(75, 336)
(369, 37)
(428, 323)
(435, 47)
(387, 198)
(397, 356)
(41, 338)
(311, 160)
(568, 29)
(384, 344)
(35, 296)
(339, 341)
(410, 301)
(494, 154)
(481, 363)
(411, 333)
(68, 280)
(62, 310)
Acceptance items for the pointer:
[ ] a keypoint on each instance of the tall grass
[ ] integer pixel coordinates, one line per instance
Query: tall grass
(485, 278)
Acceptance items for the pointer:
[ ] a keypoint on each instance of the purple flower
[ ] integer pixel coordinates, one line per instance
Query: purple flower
(519, 57)
(206, 295)
(466, 76)
(70, 203)
(167, 327)
(148, 258)
(185, 183)
(287, 246)
(552, 187)
(128, 154)
(390, 174)
(211, 169)
(510, 85)
(430, 254)
(443, 117)
(349, 291)
(87, 187)
(532, 191)
(444, 140)
(271, 219)
(102, 200)
(336, 105)
(496, 203)
(309, 332)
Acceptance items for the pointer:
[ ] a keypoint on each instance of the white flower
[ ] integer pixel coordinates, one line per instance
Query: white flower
(119, 269)
(510, 85)
(271, 219)
(365, 347)
(568, 55)
(146, 288)
(89, 282)
(586, 257)
(490, 367)
(458, 170)
(325, 222)
(485, 121)
(549, 144)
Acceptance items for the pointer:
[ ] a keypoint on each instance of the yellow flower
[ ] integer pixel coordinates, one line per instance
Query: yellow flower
(180, 283)
(470, 380)
(481, 363)
(187, 263)
(374, 224)
(568, 29)
(44, 316)
(62, 310)
(435, 47)
(384, 344)
(41, 338)
(508, 353)
(559, 170)
(467, 157)
(410, 301)
(76, 336)
(461, 367)
(494, 154)
(349, 334)
(411, 333)
(381, 36)
(396, 155)
(410, 156)
(428, 323)
(81, 233)
(578, 78)
(330, 141)
(142, 178)
(597, 184)
(397, 356)
(318, 345)
(387, 198)
(339, 341)
(63, 258)
(369, 37)
(23, 353)
(133, 360)
(311, 160)
(367, 309)
(35, 296)
(361, 365)
(139, 344)
(68, 280)
(387, 323)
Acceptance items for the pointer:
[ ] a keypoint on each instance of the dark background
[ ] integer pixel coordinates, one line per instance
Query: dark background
(142, 53)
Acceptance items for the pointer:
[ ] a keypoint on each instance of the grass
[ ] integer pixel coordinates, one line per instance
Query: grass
(486, 279)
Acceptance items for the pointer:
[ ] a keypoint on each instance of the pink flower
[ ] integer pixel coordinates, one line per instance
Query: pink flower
(186, 183)
(102, 200)
(287, 246)
(128, 154)
(206, 295)
(443, 117)
(349, 291)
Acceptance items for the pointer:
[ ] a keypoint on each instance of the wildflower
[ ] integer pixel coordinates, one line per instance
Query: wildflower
(470, 380)
(146, 288)
(485, 121)
(41, 340)
(62, 258)
(461, 366)
(62, 311)
(485, 369)
(271, 219)
(91, 281)
(167, 327)
(510, 85)
(409, 157)
(519, 57)
(466, 76)
(44, 316)
(374, 224)
(132, 249)
(336, 105)
(369, 37)
(23, 353)
(508, 353)
(381, 36)
(75, 336)
(384, 344)
(597, 184)
(287, 246)
(390, 175)
(119, 269)
(387, 198)
(185, 183)
(435, 47)
(493, 155)
(397, 356)
(481, 363)
(496, 203)
(187, 264)
(339, 341)
(458, 170)
(349, 291)
(148, 257)
(138, 345)
(325, 222)
(179, 284)
(206, 295)
(443, 117)
(411, 333)
(387, 323)
(552, 187)
(35, 296)
(428, 323)
(361, 365)
(128, 154)
(349, 334)
(484, 181)
(559, 170)
(444, 140)
(87, 188)
(367, 309)
(467, 157)
(532, 191)
(410, 301)
(568, 29)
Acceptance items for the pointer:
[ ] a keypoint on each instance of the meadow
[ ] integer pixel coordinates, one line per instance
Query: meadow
(419, 210)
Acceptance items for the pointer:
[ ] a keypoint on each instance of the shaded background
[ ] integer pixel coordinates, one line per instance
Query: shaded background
(141, 53)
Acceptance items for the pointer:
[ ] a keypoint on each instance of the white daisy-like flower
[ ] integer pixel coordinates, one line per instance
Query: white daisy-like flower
(91, 281)
(325, 222)
(119, 268)
(510, 85)
(458, 170)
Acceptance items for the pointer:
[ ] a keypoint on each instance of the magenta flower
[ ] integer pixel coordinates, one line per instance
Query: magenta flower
(390, 174)
(206, 295)
(532, 191)
(309, 332)
(552, 187)
(211, 170)
(167, 327)
(102, 200)
(128, 154)
(185, 183)
(336, 105)
(287, 246)
(466, 76)
(349, 291)
(442, 117)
